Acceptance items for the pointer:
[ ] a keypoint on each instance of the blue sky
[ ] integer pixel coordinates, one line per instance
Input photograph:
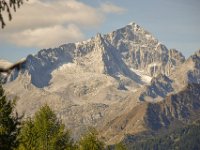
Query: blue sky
(46, 23)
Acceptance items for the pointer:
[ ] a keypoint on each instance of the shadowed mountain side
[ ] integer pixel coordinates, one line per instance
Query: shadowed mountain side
(182, 107)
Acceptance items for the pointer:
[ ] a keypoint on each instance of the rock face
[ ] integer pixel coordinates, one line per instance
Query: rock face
(174, 110)
(182, 106)
(119, 83)
(166, 102)
(158, 89)
(140, 50)
(113, 54)
(188, 72)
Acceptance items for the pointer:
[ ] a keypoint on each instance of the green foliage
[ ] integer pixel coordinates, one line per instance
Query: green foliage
(44, 132)
(90, 141)
(120, 146)
(184, 138)
(190, 137)
(9, 123)
(28, 136)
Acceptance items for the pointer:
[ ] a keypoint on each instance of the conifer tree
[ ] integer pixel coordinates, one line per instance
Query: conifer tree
(90, 141)
(120, 146)
(28, 136)
(45, 132)
(9, 123)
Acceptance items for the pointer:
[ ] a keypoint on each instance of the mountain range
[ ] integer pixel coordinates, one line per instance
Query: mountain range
(123, 83)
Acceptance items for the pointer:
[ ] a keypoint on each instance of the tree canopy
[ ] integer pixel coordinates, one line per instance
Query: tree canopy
(44, 132)
(184, 138)
(90, 141)
(9, 123)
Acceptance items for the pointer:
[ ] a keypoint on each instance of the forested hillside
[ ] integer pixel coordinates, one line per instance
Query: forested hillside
(185, 138)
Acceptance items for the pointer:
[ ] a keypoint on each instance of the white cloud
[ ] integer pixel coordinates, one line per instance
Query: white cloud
(111, 8)
(46, 23)
(37, 13)
(47, 37)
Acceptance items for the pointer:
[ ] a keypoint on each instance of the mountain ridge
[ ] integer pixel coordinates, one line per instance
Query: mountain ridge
(131, 45)
(109, 81)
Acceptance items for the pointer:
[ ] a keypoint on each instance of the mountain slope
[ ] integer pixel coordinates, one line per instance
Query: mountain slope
(188, 72)
(108, 81)
(175, 110)
(183, 138)
(162, 105)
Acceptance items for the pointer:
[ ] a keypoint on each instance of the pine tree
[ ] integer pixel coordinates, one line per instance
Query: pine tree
(44, 132)
(120, 146)
(28, 136)
(90, 141)
(9, 123)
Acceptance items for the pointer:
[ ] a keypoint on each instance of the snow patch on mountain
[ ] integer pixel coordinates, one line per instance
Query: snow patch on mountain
(144, 78)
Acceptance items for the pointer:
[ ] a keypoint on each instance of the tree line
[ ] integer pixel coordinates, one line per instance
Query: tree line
(182, 138)
(44, 131)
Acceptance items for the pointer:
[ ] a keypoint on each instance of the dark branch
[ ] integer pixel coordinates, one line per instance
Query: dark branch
(17, 66)
(6, 6)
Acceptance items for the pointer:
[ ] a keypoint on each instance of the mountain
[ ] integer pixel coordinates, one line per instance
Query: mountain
(140, 50)
(162, 105)
(173, 111)
(114, 54)
(121, 83)
(188, 72)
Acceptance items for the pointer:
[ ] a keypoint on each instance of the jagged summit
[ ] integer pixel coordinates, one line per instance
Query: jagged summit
(195, 57)
(132, 23)
(197, 52)
(135, 26)
(117, 53)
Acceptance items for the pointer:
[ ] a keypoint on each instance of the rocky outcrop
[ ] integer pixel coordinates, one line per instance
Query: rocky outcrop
(158, 89)
(140, 50)
(183, 107)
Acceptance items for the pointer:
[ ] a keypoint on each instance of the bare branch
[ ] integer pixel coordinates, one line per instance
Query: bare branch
(6, 6)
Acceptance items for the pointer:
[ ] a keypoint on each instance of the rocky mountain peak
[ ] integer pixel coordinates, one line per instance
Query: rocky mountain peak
(141, 50)
(98, 36)
(118, 52)
(135, 26)
(195, 58)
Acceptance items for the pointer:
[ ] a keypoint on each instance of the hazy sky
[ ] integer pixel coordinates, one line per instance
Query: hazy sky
(49, 23)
